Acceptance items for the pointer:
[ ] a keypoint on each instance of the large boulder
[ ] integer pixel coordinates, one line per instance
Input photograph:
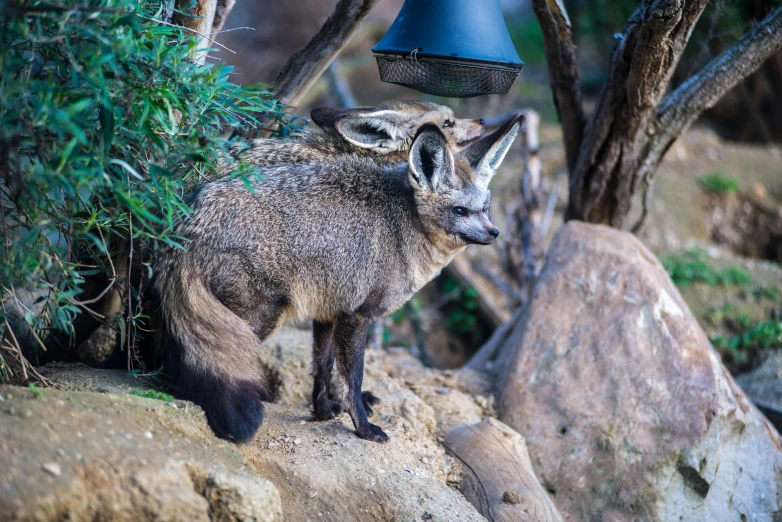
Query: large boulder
(627, 411)
(69, 455)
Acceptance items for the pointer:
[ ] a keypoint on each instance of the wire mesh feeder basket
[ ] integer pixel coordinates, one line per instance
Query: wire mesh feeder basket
(446, 78)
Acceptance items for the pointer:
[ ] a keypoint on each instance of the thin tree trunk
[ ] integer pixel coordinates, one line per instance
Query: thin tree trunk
(307, 65)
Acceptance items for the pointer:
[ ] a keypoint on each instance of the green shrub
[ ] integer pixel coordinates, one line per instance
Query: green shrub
(691, 267)
(152, 394)
(718, 183)
(103, 116)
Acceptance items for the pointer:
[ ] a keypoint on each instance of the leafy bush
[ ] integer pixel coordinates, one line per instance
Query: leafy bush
(691, 267)
(152, 394)
(104, 116)
(719, 183)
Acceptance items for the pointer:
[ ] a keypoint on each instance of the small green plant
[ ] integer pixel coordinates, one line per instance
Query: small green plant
(718, 183)
(692, 267)
(765, 293)
(36, 390)
(461, 315)
(753, 338)
(153, 394)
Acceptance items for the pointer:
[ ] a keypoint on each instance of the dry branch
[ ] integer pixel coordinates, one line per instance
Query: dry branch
(563, 73)
(198, 19)
(680, 108)
(498, 476)
(306, 65)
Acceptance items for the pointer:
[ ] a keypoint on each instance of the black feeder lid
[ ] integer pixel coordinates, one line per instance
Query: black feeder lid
(454, 48)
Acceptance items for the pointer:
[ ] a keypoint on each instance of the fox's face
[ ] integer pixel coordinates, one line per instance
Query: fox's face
(393, 125)
(452, 191)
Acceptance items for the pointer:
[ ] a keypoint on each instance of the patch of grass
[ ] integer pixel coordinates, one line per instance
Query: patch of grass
(692, 267)
(753, 338)
(36, 390)
(152, 394)
(719, 183)
(765, 293)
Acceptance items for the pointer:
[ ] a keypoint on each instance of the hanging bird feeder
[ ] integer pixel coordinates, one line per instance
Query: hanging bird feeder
(455, 48)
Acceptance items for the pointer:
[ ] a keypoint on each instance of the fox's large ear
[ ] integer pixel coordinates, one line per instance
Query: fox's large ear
(430, 158)
(381, 130)
(486, 155)
(324, 117)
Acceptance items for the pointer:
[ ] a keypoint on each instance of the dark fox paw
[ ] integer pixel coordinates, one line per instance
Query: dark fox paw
(327, 409)
(372, 433)
(369, 400)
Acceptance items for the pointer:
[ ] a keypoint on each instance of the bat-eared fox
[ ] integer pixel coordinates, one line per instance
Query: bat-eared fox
(384, 132)
(342, 242)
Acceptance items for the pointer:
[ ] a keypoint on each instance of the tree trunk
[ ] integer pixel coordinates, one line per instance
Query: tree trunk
(634, 123)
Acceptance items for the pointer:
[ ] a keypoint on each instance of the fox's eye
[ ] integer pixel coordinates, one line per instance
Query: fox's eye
(460, 211)
(448, 123)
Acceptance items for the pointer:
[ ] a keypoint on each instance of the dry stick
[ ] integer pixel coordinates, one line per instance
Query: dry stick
(339, 84)
(18, 348)
(222, 10)
(306, 65)
(487, 352)
(128, 284)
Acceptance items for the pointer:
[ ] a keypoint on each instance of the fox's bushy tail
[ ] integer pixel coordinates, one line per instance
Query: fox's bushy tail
(210, 352)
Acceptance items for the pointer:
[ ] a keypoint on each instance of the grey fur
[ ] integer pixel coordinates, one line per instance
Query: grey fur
(342, 242)
(383, 133)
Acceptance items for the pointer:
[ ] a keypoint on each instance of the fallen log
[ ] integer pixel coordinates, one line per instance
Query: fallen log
(498, 476)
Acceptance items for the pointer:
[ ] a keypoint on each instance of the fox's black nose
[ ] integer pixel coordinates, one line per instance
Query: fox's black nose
(494, 232)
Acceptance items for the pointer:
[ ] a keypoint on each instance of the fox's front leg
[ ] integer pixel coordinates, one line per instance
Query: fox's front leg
(322, 361)
(350, 336)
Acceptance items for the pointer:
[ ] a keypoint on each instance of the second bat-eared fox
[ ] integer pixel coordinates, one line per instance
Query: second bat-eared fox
(342, 242)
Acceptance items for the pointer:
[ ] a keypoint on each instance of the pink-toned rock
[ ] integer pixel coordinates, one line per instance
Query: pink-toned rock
(627, 411)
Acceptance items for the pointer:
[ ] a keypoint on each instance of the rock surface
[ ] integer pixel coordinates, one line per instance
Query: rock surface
(325, 472)
(764, 387)
(659, 430)
(68, 455)
(96, 436)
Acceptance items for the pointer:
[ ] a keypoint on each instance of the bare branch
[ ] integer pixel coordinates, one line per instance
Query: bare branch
(681, 107)
(198, 19)
(222, 10)
(563, 73)
(306, 65)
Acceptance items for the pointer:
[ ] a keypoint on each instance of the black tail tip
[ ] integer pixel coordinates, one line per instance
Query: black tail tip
(233, 408)
(235, 411)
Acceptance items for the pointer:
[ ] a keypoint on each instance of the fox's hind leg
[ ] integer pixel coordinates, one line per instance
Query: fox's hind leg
(322, 361)
(350, 338)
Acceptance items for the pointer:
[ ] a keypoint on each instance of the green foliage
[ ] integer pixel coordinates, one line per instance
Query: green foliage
(104, 115)
(37, 392)
(691, 267)
(461, 315)
(752, 338)
(718, 183)
(152, 394)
